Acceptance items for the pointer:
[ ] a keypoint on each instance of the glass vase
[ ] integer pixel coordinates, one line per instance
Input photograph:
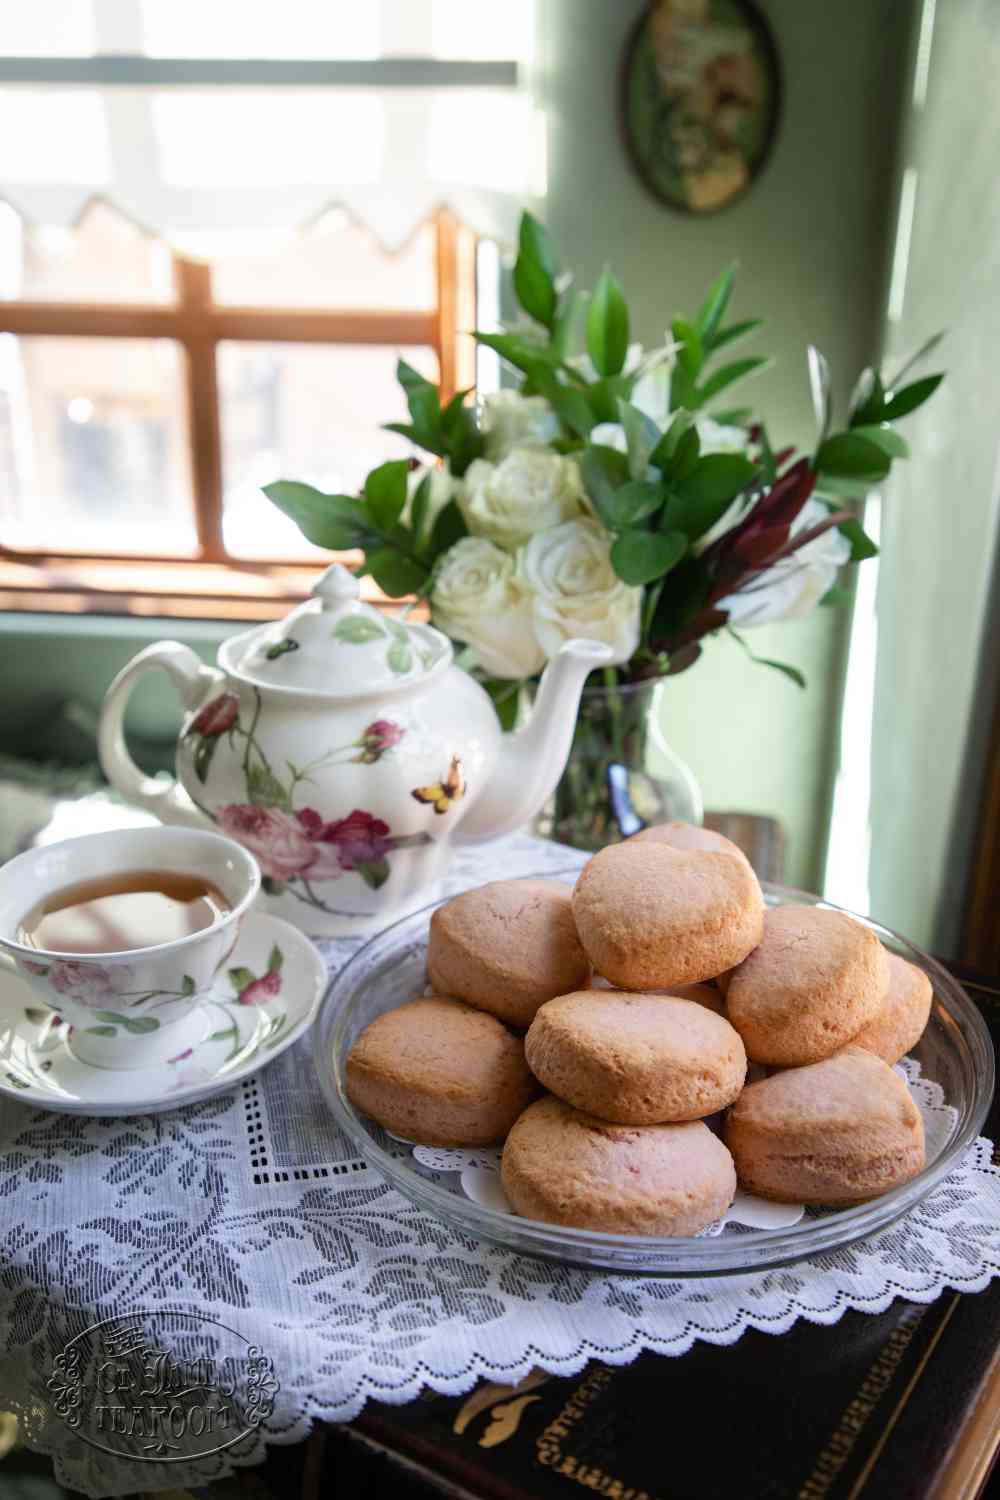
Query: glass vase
(621, 775)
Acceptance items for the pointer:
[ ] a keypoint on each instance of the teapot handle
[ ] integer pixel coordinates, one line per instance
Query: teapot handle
(166, 800)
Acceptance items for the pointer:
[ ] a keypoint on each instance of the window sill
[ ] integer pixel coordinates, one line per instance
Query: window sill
(200, 591)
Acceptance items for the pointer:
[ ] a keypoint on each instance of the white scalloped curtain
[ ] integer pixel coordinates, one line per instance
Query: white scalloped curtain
(204, 165)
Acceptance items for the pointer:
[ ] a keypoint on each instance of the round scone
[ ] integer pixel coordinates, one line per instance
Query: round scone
(689, 836)
(903, 1015)
(564, 1167)
(507, 947)
(440, 1073)
(816, 978)
(652, 917)
(636, 1059)
(840, 1131)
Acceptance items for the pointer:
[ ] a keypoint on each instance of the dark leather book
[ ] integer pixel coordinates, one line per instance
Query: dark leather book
(904, 1405)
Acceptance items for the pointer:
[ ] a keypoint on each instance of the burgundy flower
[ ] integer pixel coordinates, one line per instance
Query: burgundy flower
(381, 735)
(260, 991)
(283, 845)
(216, 717)
(90, 984)
(359, 839)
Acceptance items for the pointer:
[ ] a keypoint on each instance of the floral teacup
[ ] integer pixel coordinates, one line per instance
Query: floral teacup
(136, 1008)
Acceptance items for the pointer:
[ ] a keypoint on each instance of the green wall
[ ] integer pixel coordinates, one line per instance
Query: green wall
(810, 237)
(940, 513)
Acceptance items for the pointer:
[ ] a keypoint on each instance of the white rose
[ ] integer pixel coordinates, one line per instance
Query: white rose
(478, 599)
(717, 437)
(531, 489)
(511, 420)
(442, 489)
(575, 590)
(796, 584)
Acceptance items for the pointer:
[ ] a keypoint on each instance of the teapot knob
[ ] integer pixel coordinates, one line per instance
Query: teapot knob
(336, 587)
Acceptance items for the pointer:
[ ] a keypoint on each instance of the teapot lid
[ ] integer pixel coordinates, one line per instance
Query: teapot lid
(335, 645)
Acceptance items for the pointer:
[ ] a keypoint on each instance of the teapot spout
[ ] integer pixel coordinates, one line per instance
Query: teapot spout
(532, 759)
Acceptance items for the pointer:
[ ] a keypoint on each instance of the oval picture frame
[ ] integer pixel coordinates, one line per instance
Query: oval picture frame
(700, 100)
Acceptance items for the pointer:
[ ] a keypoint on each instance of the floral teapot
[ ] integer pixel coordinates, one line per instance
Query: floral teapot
(348, 753)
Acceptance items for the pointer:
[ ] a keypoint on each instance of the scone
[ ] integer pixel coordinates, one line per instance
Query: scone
(652, 917)
(636, 1059)
(690, 836)
(903, 1015)
(816, 978)
(440, 1073)
(507, 947)
(564, 1167)
(701, 994)
(838, 1132)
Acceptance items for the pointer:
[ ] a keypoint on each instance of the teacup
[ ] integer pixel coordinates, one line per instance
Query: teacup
(136, 1008)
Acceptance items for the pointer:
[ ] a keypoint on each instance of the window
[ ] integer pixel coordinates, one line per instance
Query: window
(171, 338)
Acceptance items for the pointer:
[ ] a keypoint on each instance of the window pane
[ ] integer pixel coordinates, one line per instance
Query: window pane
(94, 436)
(53, 135)
(259, 28)
(46, 28)
(483, 31)
(490, 140)
(262, 138)
(339, 264)
(104, 258)
(304, 411)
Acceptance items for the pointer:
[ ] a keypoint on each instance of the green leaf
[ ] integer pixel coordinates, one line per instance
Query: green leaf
(852, 457)
(734, 416)
(641, 437)
(519, 350)
(535, 272)
(663, 454)
(603, 395)
(686, 455)
(374, 872)
(449, 527)
(632, 502)
(690, 356)
(203, 756)
(886, 438)
(427, 438)
(400, 657)
(385, 491)
(239, 979)
(139, 1025)
(564, 323)
(607, 327)
(713, 309)
(108, 1015)
(862, 546)
(792, 673)
(819, 385)
(915, 358)
(901, 403)
(395, 573)
(356, 630)
(275, 960)
(272, 887)
(707, 492)
(640, 556)
(188, 985)
(335, 521)
(733, 332)
(263, 787)
(222, 1035)
(568, 402)
(726, 375)
(418, 510)
(423, 402)
(604, 471)
(837, 593)
(505, 694)
(281, 648)
(91, 1031)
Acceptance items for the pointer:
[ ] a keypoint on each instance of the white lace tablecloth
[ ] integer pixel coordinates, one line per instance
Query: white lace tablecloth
(253, 1209)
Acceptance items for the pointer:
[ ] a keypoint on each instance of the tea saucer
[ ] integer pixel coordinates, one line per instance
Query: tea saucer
(266, 996)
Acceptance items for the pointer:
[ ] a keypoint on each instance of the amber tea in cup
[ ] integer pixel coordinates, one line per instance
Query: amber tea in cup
(122, 912)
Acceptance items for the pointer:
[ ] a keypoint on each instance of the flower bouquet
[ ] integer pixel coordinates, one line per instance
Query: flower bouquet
(607, 495)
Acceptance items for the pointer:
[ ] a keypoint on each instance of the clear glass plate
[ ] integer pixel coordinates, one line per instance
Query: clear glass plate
(954, 1052)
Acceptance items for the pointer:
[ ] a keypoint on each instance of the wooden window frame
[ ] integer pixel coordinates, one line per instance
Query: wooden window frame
(209, 582)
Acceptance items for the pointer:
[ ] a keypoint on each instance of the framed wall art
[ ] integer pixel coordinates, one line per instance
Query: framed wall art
(701, 93)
